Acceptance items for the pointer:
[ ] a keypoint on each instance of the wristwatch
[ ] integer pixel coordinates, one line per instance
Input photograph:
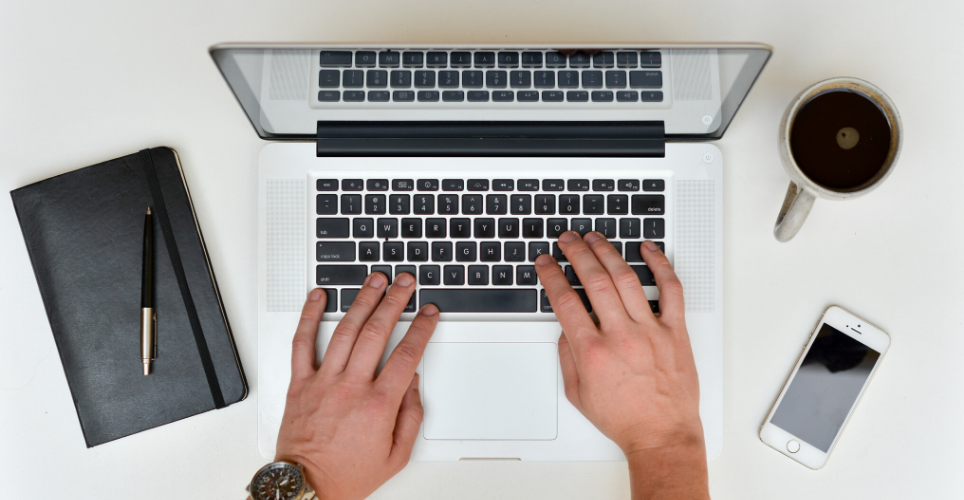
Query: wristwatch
(280, 481)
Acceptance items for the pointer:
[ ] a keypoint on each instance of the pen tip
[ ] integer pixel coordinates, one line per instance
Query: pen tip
(147, 368)
(148, 210)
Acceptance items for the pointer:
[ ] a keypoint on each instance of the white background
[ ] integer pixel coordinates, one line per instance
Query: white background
(83, 82)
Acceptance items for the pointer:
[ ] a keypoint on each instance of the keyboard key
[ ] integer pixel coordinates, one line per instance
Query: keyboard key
(374, 204)
(556, 60)
(427, 185)
(417, 252)
(478, 300)
(377, 184)
(386, 270)
(654, 229)
(403, 96)
(478, 96)
(331, 228)
(553, 185)
(603, 60)
(648, 204)
(528, 184)
(503, 95)
(629, 228)
(340, 274)
(365, 59)
(347, 297)
(326, 204)
(496, 204)
(579, 60)
(508, 59)
(331, 304)
(508, 228)
(645, 275)
(329, 96)
(568, 204)
(651, 185)
(532, 59)
(626, 59)
(441, 251)
(577, 96)
(453, 184)
(544, 79)
(471, 204)
(353, 79)
(428, 275)
(537, 248)
(363, 228)
(496, 79)
(602, 96)
(478, 185)
(352, 185)
(593, 204)
(503, 185)
(403, 184)
(552, 95)
(351, 204)
(406, 269)
(448, 79)
(532, 228)
(578, 184)
(546, 307)
(515, 251)
(393, 251)
(335, 59)
(520, 204)
(606, 226)
(545, 204)
(448, 204)
(401, 79)
(527, 96)
(328, 79)
(618, 245)
(341, 251)
(411, 228)
(453, 275)
(387, 228)
(628, 185)
(568, 79)
(326, 185)
(526, 275)
(651, 96)
(472, 79)
(453, 96)
(603, 185)
(376, 78)
(572, 277)
(434, 228)
(501, 275)
(461, 60)
(388, 59)
(412, 59)
(555, 227)
(424, 79)
(424, 204)
(617, 204)
(478, 275)
(465, 251)
(490, 251)
(460, 228)
(615, 79)
(378, 95)
(484, 59)
(650, 59)
(581, 226)
(645, 79)
(627, 96)
(436, 59)
(592, 79)
(368, 251)
(520, 79)
(354, 95)
(485, 228)
(428, 96)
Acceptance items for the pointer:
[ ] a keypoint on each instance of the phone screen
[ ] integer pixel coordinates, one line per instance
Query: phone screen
(825, 387)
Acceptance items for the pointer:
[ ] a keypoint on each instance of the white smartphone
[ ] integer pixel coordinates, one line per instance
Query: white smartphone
(836, 366)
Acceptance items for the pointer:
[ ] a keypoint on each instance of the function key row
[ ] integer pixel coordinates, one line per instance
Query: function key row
(488, 59)
(485, 184)
(485, 96)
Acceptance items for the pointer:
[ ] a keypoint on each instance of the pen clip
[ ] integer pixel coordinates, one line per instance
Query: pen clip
(154, 347)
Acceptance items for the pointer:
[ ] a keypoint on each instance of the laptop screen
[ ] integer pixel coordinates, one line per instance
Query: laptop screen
(693, 91)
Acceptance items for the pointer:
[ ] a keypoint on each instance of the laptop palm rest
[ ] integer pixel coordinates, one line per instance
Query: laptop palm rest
(496, 391)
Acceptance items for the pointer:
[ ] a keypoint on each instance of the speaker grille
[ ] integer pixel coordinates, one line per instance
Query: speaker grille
(285, 233)
(696, 243)
(691, 75)
(289, 75)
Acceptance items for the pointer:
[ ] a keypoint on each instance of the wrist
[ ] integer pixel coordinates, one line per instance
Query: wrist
(312, 474)
(676, 470)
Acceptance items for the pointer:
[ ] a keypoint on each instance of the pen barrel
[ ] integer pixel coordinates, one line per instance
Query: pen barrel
(147, 281)
(148, 344)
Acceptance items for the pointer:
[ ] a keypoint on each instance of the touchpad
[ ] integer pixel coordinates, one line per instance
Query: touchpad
(490, 390)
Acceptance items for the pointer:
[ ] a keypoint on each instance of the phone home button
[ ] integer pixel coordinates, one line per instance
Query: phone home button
(793, 446)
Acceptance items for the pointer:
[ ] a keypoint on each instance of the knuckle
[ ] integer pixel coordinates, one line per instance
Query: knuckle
(371, 332)
(406, 353)
(342, 334)
(569, 299)
(597, 282)
(300, 344)
(626, 278)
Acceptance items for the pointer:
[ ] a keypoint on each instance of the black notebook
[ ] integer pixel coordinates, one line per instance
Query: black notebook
(84, 232)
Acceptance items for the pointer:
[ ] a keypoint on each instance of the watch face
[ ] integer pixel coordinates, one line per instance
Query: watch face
(278, 482)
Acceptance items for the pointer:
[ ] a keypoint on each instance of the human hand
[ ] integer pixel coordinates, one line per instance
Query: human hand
(350, 429)
(632, 375)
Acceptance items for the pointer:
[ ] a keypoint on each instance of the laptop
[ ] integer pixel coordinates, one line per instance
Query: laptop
(461, 164)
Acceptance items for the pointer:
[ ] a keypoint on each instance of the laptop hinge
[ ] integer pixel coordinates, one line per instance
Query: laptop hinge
(490, 138)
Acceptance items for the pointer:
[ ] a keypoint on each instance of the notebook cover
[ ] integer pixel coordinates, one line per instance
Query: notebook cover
(84, 232)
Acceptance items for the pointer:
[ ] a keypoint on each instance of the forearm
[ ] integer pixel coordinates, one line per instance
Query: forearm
(674, 473)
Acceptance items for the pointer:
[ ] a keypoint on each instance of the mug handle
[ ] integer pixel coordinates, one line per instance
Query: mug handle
(796, 207)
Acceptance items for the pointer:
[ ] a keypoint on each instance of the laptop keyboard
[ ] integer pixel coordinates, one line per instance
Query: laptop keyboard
(437, 76)
(471, 243)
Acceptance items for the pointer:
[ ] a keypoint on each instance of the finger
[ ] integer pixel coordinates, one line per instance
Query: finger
(623, 277)
(404, 359)
(373, 337)
(345, 334)
(605, 300)
(671, 309)
(570, 376)
(566, 303)
(303, 343)
(407, 423)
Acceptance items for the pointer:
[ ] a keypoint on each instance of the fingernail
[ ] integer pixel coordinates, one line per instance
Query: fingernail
(543, 260)
(568, 236)
(651, 246)
(592, 236)
(429, 310)
(376, 280)
(404, 279)
(314, 295)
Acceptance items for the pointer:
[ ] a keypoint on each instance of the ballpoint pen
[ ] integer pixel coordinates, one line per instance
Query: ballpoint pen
(148, 318)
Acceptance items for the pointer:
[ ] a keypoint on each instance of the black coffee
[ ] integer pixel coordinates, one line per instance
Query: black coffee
(840, 139)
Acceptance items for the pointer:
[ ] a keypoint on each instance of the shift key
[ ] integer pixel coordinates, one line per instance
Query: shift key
(340, 275)
(332, 228)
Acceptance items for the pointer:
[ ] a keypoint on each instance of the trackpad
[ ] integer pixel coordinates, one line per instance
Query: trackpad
(490, 390)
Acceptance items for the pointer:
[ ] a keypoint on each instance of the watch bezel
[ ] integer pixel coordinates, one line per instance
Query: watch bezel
(278, 465)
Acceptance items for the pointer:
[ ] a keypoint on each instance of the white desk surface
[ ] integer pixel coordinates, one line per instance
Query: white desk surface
(83, 82)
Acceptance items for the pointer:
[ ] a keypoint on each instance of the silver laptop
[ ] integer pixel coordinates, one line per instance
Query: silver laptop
(461, 164)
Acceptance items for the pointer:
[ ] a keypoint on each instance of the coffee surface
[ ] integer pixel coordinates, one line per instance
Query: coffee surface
(840, 139)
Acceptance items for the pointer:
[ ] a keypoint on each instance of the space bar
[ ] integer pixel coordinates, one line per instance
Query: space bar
(491, 300)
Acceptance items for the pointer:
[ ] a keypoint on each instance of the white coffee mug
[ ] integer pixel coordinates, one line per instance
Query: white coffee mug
(803, 191)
